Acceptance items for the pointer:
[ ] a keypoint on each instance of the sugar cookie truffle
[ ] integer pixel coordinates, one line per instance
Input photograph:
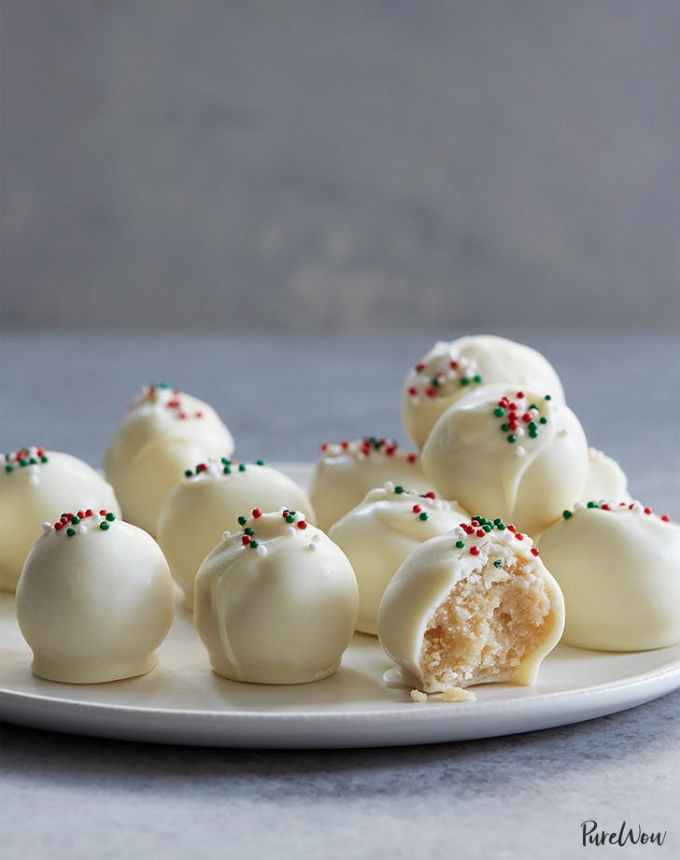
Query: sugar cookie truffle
(519, 455)
(471, 607)
(450, 370)
(348, 470)
(164, 433)
(209, 500)
(38, 485)
(618, 565)
(276, 603)
(605, 480)
(382, 531)
(95, 599)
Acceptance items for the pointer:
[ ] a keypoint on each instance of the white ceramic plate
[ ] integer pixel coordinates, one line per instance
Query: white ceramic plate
(182, 701)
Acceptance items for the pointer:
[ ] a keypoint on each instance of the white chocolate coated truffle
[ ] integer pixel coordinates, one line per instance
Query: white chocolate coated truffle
(450, 370)
(619, 570)
(471, 607)
(196, 512)
(606, 479)
(41, 489)
(525, 469)
(276, 603)
(94, 601)
(381, 532)
(348, 470)
(165, 433)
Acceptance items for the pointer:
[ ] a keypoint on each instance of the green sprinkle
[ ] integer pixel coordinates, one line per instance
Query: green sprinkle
(104, 526)
(70, 532)
(460, 544)
(424, 516)
(498, 563)
(511, 438)
(110, 517)
(23, 463)
(534, 407)
(501, 527)
(543, 419)
(188, 473)
(497, 521)
(242, 521)
(241, 467)
(548, 397)
(567, 515)
(533, 434)
(592, 505)
(532, 425)
(75, 520)
(259, 462)
(33, 461)
(434, 381)
(249, 531)
(464, 380)
(505, 428)
(499, 412)
(290, 518)
(225, 461)
(486, 528)
(226, 470)
(398, 489)
(163, 385)
(477, 378)
(253, 544)
(9, 468)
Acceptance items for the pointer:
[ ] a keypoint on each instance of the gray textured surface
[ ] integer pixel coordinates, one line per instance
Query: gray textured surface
(358, 165)
(67, 798)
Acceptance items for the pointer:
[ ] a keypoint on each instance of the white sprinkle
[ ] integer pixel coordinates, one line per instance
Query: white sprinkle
(520, 451)
(311, 545)
(292, 531)
(47, 527)
(389, 486)
(226, 535)
(82, 528)
(262, 550)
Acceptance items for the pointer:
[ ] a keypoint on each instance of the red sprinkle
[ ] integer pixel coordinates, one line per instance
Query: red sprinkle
(420, 366)
(103, 512)
(257, 513)
(413, 391)
(480, 532)
(324, 446)
(511, 528)
(89, 512)
(431, 391)
(665, 518)
(453, 365)
(301, 524)
(519, 535)
(648, 510)
(534, 551)
(430, 494)
(416, 509)
(201, 467)
(59, 526)
(474, 550)
(245, 540)
(412, 458)
(520, 395)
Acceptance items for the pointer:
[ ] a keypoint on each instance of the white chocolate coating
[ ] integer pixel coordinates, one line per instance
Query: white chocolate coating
(32, 494)
(279, 609)
(381, 532)
(619, 570)
(165, 433)
(94, 605)
(197, 511)
(462, 365)
(605, 480)
(429, 577)
(528, 482)
(348, 470)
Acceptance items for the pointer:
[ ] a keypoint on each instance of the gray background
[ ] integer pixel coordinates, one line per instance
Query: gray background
(356, 166)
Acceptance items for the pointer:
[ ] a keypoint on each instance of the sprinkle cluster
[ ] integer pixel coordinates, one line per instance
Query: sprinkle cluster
(518, 417)
(171, 398)
(615, 507)
(82, 521)
(369, 446)
(441, 377)
(22, 459)
(472, 535)
(249, 540)
(215, 468)
(417, 509)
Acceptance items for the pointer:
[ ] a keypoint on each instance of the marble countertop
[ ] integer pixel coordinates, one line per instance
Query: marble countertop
(525, 795)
